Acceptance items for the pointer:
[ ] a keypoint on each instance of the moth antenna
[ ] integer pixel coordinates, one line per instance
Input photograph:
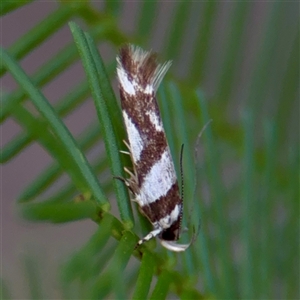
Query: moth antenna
(181, 171)
(124, 152)
(196, 154)
(126, 144)
(129, 172)
(126, 182)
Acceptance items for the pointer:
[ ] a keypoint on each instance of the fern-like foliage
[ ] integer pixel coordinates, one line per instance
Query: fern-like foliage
(241, 175)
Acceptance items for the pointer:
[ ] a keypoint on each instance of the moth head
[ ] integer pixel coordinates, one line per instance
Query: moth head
(169, 236)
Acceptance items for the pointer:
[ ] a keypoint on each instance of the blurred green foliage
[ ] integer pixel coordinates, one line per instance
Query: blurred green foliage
(243, 182)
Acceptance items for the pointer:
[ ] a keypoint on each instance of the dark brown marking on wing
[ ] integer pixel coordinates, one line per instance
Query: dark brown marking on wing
(139, 106)
(154, 141)
(163, 206)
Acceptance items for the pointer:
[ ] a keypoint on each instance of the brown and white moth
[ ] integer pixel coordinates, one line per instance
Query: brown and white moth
(153, 181)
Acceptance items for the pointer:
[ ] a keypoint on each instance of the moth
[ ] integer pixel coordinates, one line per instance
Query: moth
(153, 181)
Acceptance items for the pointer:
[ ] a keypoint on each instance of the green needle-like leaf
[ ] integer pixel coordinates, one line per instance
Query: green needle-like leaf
(58, 128)
(162, 286)
(91, 60)
(59, 212)
(144, 278)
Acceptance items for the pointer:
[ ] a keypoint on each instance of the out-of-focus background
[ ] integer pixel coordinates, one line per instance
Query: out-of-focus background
(243, 57)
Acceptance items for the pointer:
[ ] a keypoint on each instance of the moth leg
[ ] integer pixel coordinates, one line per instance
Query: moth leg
(125, 152)
(132, 181)
(149, 236)
(127, 145)
(129, 172)
(133, 175)
(126, 182)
